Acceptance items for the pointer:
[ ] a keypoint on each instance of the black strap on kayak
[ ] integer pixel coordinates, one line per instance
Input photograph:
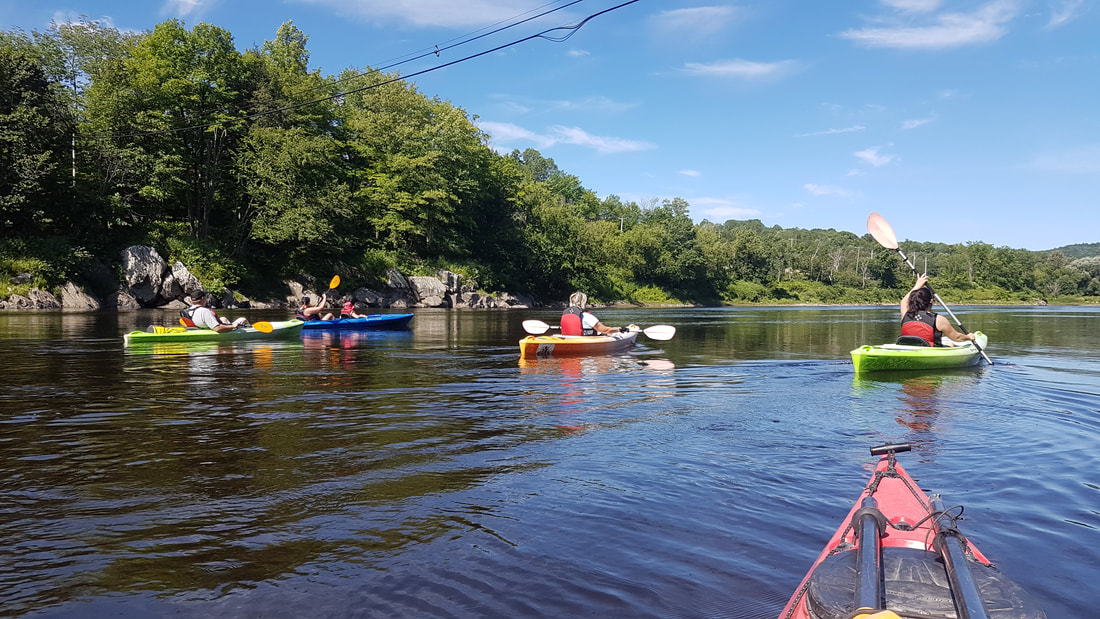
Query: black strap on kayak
(951, 544)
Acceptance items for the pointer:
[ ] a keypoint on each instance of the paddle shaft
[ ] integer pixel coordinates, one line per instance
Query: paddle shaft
(869, 566)
(944, 305)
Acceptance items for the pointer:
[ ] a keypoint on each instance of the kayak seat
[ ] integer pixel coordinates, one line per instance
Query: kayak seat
(911, 340)
(915, 585)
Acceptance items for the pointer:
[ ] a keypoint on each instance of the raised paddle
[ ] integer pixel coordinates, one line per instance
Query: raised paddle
(656, 332)
(885, 236)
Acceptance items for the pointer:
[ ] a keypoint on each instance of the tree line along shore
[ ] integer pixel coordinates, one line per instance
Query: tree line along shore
(250, 170)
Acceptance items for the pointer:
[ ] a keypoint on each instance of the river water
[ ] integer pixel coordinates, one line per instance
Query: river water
(430, 473)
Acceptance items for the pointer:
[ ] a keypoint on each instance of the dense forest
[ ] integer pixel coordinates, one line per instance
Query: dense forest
(248, 168)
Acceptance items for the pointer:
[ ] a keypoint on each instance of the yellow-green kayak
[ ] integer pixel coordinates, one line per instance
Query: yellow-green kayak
(279, 329)
(894, 357)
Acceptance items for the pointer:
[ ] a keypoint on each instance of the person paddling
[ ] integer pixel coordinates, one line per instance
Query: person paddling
(576, 321)
(307, 312)
(205, 318)
(918, 320)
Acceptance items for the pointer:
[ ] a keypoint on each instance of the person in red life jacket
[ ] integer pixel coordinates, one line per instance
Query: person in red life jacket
(307, 312)
(917, 318)
(348, 311)
(198, 315)
(576, 321)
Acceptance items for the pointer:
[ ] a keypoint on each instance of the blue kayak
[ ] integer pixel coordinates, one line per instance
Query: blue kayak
(374, 321)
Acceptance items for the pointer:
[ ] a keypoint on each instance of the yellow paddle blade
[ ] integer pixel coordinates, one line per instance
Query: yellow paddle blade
(263, 326)
(335, 282)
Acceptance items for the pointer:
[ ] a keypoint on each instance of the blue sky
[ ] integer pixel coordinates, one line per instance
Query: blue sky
(956, 120)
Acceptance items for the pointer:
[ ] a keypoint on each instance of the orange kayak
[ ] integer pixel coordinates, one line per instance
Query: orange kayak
(572, 345)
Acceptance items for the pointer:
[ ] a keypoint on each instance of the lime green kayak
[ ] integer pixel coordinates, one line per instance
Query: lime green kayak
(279, 329)
(893, 357)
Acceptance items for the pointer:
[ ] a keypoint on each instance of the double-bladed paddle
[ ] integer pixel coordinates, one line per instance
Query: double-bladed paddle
(885, 236)
(656, 332)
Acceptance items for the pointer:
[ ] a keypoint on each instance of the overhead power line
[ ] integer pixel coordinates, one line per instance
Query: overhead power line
(569, 31)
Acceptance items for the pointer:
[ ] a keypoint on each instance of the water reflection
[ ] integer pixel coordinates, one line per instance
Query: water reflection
(923, 398)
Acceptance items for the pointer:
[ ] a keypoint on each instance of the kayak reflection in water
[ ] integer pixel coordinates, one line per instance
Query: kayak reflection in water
(576, 321)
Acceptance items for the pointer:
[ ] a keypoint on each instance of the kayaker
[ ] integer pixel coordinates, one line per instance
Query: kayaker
(917, 318)
(576, 321)
(204, 318)
(348, 311)
(307, 312)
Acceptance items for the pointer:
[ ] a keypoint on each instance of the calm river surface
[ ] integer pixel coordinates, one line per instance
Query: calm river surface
(429, 473)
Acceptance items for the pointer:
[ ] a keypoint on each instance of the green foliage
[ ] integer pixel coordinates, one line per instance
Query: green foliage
(248, 168)
(206, 262)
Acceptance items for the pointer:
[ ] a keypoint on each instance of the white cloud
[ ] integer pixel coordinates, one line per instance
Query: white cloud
(913, 6)
(738, 68)
(695, 22)
(827, 190)
(1067, 12)
(943, 30)
(184, 8)
(578, 53)
(913, 123)
(440, 13)
(1078, 160)
(833, 131)
(691, 173)
(594, 103)
(719, 210)
(605, 145)
(873, 157)
(503, 133)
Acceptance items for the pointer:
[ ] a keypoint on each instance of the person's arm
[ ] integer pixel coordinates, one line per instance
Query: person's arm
(921, 281)
(945, 327)
(606, 330)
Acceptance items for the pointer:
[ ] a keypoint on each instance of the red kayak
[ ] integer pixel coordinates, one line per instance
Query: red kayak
(915, 563)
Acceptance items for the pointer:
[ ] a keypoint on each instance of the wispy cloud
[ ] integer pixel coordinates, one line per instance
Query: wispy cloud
(594, 103)
(719, 210)
(1077, 160)
(913, 6)
(696, 22)
(1066, 12)
(741, 69)
(872, 157)
(942, 30)
(185, 8)
(833, 131)
(439, 13)
(578, 53)
(504, 133)
(691, 173)
(913, 123)
(828, 190)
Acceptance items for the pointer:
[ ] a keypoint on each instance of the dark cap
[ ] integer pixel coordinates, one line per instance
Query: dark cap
(199, 293)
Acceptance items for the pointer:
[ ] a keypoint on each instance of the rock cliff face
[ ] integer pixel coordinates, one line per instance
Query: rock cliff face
(148, 281)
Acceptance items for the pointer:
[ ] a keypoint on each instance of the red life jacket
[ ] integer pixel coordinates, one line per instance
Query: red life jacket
(923, 325)
(571, 321)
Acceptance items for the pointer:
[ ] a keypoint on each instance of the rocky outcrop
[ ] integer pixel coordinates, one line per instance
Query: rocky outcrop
(149, 282)
(75, 299)
(143, 275)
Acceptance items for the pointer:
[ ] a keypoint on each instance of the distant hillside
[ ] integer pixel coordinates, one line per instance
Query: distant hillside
(1079, 250)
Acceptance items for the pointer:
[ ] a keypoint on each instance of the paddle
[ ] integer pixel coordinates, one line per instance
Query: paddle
(263, 326)
(884, 234)
(656, 332)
